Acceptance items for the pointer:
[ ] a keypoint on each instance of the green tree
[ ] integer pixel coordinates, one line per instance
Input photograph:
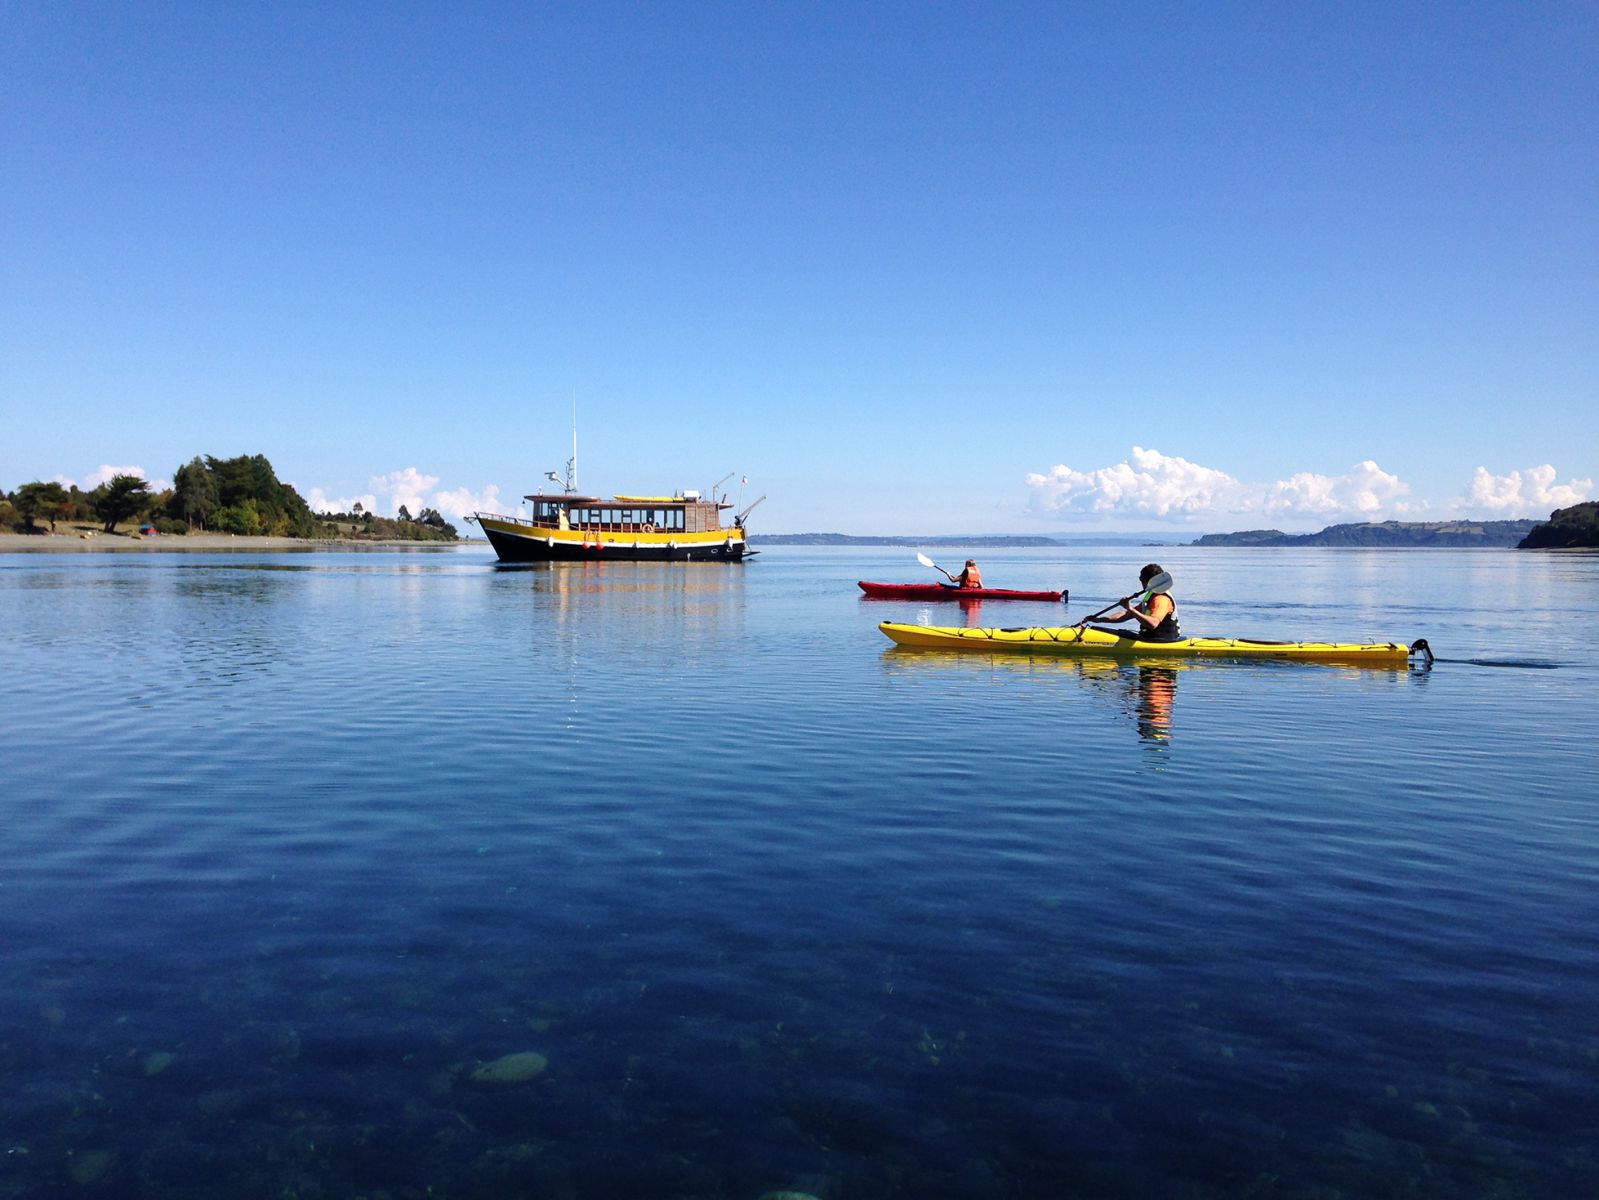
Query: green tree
(278, 507)
(120, 497)
(194, 494)
(241, 518)
(1567, 528)
(47, 500)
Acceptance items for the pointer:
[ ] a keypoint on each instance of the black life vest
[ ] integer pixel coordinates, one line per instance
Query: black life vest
(1167, 631)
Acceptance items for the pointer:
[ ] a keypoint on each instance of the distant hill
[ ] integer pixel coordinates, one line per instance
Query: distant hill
(1385, 533)
(1571, 528)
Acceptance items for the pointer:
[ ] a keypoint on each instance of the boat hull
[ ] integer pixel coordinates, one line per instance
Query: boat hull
(515, 541)
(937, 591)
(1072, 640)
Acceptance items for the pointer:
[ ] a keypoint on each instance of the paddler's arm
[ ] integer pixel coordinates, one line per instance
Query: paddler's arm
(1112, 618)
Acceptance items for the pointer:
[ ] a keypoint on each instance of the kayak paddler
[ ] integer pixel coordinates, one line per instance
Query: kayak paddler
(970, 576)
(1156, 613)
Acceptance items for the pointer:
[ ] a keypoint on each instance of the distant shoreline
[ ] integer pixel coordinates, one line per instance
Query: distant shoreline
(102, 543)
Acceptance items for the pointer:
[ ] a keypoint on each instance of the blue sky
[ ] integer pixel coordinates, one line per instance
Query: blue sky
(911, 268)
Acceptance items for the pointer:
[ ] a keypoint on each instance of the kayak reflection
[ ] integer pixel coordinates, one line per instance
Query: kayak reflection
(1144, 691)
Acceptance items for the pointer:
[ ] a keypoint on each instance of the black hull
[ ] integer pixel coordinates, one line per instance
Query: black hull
(514, 549)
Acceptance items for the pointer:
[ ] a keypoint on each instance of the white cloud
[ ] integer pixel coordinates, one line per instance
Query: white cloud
(1529, 493)
(320, 502)
(1152, 484)
(96, 478)
(411, 488)
(103, 475)
(461, 503)
(405, 488)
(1365, 489)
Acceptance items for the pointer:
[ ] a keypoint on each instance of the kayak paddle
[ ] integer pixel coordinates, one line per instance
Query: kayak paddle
(927, 562)
(1157, 585)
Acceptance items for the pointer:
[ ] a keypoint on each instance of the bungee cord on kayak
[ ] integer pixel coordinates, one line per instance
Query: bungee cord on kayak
(1157, 635)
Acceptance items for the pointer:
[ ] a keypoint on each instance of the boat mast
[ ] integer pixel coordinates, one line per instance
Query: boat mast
(569, 484)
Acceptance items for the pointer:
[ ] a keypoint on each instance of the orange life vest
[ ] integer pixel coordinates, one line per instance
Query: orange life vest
(971, 577)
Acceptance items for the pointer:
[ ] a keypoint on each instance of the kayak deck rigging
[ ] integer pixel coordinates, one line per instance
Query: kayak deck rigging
(1071, 639)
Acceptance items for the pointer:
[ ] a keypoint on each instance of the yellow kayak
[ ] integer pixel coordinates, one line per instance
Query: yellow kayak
(1070, 639)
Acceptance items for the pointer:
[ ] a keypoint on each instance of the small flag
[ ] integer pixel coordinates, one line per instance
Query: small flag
(744, 482)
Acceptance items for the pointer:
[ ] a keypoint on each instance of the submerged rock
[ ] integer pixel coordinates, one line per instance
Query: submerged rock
(512, 1068)
(157, 1061)
(92, 1167)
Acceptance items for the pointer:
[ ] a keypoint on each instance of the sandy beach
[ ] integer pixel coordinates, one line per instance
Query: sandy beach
(72, 540)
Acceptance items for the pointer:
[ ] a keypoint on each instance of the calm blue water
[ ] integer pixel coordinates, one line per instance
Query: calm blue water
(297, 842)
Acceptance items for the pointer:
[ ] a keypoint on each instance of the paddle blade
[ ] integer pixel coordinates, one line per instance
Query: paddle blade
(925, 561)
(1159, 585)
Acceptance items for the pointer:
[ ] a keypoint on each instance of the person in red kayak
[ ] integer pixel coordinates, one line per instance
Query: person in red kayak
(1156, 614)
(970, 577)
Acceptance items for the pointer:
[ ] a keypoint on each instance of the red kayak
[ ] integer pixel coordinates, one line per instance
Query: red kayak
(941, 591)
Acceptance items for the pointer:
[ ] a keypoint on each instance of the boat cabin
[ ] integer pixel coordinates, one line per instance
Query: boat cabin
(628, 514)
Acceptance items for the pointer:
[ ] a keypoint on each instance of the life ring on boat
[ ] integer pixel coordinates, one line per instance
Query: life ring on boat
(648, 528)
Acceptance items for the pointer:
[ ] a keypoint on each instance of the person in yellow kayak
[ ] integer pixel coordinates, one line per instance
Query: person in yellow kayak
(970, 576)
(1155, 611)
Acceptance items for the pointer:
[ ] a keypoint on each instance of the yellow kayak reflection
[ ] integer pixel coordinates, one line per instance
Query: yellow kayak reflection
(1145, 690)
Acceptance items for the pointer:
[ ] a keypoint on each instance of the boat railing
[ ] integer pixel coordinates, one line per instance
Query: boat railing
(596, 528)
(511, 519)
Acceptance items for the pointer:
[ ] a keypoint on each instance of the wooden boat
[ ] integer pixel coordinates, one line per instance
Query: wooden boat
(567, 527)
(947, 591)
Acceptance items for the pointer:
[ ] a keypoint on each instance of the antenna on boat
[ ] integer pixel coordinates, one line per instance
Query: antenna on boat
(568, 484)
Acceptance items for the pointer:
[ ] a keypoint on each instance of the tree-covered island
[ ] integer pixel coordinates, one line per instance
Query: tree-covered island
(1574, 528)
(1384, 533)
(240, 495)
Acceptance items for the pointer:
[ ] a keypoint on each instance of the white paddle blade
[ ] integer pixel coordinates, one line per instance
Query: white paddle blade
(925, 561)
(1159, 584)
